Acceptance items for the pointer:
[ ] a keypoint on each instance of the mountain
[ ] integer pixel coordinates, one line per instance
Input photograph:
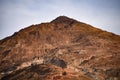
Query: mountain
(63, 49)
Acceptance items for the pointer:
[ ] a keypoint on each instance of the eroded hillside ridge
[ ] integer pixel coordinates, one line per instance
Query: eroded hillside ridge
(63, 49)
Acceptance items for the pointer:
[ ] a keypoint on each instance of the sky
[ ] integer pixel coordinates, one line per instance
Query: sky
(18, 14)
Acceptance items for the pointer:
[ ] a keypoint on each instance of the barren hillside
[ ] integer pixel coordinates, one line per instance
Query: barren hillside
(63, 49)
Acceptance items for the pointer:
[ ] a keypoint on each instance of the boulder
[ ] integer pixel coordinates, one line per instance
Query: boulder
(58, 62)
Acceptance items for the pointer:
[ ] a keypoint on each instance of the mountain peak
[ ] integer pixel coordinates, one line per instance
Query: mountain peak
(60, 50)
(63, 19)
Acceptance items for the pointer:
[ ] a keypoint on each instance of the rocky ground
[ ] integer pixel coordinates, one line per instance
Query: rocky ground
(63, 49)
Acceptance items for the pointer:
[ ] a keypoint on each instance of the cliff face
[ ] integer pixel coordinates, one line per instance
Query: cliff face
(69, 46)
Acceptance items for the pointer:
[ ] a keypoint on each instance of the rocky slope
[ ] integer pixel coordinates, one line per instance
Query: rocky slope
(63, 49)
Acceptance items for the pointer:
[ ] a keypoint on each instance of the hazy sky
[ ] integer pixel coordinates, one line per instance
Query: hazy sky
(17, 14)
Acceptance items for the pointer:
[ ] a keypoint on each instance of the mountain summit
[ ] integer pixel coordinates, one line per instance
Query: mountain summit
(63, 19)
(63, 49)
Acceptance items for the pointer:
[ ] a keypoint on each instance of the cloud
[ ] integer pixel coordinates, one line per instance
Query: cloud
(17, 14)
